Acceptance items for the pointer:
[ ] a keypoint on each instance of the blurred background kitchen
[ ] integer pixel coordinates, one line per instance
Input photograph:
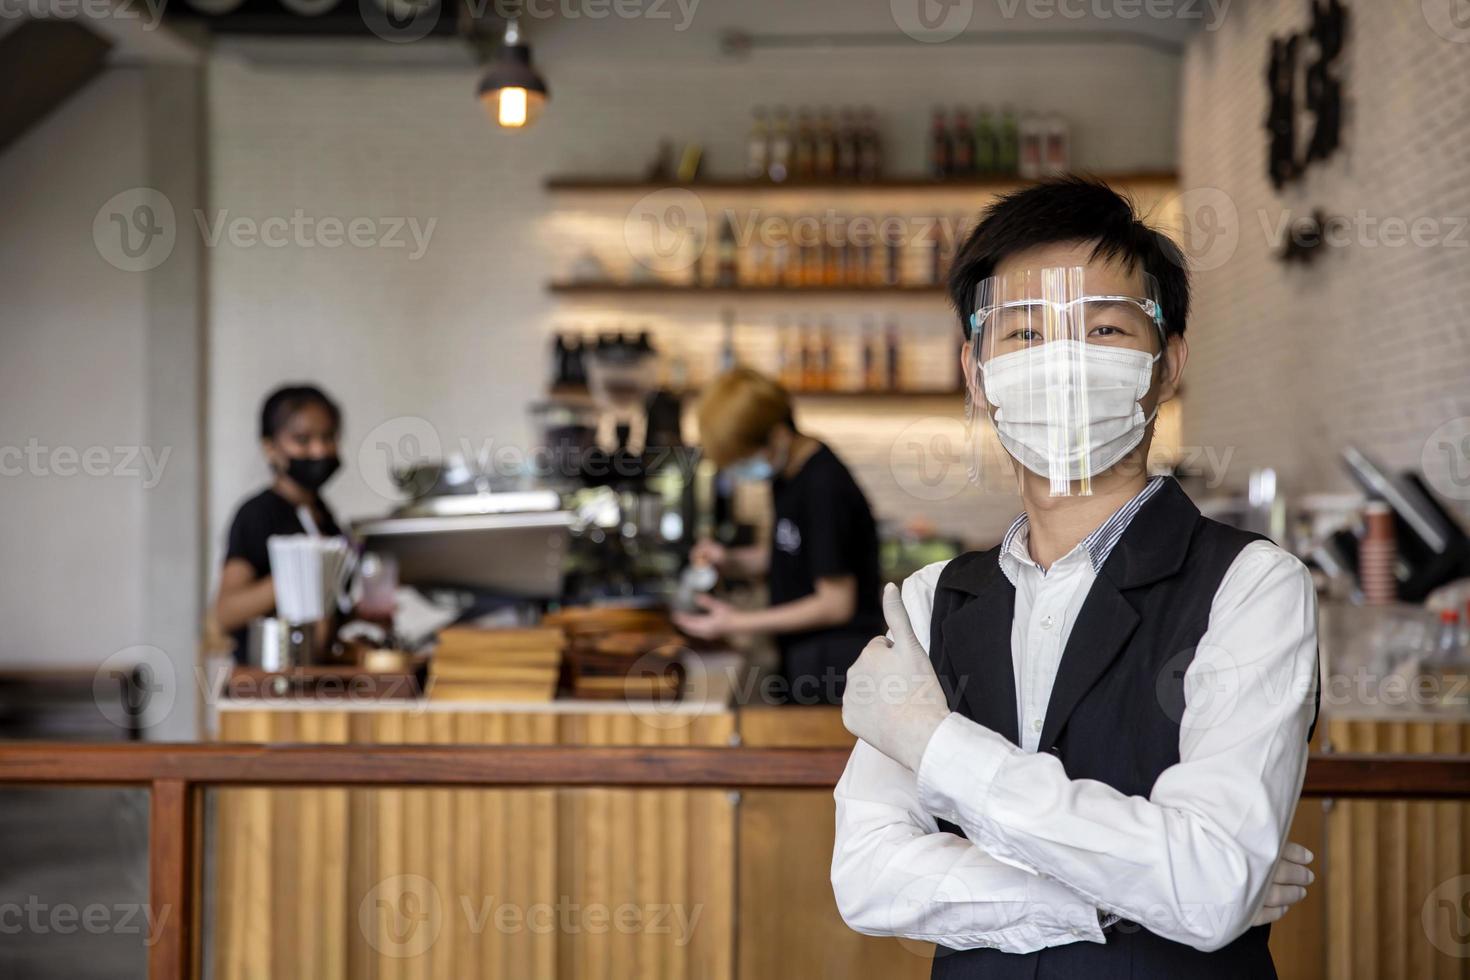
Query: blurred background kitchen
(512, 244)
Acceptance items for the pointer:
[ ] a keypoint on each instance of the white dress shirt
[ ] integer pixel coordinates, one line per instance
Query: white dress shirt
(1047, 854)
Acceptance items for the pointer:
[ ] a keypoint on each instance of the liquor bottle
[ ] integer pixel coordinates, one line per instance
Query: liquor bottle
(727, 269)
(758, 146)
(727, 342)
(826, 364)
(870, 146)
(824, 158)
(558, 375)
(962, 160)
(785, 354)
(938, 250)
(859, 253)
(892, 253)
(985, 142)
(804, 157)
(940, 148)
(1031, 147)
(780, 264)
(806, 356)
(892, 368)
(795, 269)
(1056, 156)
(849, 144)
(778, 164)
(1007, 158)
(832, 253)
(871, 341)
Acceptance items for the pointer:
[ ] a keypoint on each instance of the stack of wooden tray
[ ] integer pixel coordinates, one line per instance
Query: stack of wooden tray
(626, 654)
(519, 664)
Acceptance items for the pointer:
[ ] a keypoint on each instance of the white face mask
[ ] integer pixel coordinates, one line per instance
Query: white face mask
(1069, 406)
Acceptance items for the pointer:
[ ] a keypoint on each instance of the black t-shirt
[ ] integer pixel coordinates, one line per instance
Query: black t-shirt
(258, 518)
(824, 528)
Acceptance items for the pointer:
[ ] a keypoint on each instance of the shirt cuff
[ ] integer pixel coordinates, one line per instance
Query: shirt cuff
(958, 766)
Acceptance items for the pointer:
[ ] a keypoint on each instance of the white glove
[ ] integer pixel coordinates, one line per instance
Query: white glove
(893, 700)
(1289, 883)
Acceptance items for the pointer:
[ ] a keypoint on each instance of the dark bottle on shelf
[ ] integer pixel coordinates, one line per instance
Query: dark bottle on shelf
(559, 365)
(940, 147)
(825, 160)
(870, 146)
(939, 239)
(985, 142)
(826, 365)
(778, 163)
(892, 252)
(872, 342)
(892, 368)
(728, 272)
(1008, 143)
(849, 144)
(576, 361)
(857, 271)
(804, 153)
(962, 161)
(806, 356)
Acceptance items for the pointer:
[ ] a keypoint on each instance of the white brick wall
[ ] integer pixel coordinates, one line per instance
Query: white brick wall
(1371, 344)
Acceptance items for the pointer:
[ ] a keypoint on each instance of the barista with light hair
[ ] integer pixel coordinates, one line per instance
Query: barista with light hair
(821, 561)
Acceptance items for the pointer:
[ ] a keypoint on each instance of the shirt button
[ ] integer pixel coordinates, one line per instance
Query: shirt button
(1036, 725)
(1046, 622)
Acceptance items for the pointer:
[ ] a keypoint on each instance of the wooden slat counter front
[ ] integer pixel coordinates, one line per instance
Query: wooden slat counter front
(325, 884)
(583, 883)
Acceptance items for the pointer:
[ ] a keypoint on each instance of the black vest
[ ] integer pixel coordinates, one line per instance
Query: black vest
(1114, 711)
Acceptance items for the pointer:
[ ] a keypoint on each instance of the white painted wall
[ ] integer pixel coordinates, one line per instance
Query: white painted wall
(73, 345)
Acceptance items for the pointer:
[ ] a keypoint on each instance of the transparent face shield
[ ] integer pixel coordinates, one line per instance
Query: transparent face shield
(1062, 359)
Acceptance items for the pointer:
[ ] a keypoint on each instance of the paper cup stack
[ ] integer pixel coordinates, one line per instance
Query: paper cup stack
(309, 574)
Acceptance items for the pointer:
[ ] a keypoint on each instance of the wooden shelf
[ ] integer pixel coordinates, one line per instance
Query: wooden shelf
(677, 289)
(621, 184)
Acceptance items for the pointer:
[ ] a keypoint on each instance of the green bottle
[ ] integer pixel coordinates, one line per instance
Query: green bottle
(986, 148)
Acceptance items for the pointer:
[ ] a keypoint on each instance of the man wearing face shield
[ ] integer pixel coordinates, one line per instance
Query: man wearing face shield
(1080, 750)
(821, 562)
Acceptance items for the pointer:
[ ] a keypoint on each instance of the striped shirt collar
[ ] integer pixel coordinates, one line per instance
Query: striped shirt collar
(1099, 544)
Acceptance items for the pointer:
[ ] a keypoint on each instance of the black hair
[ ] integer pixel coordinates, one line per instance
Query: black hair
(1070, 209)
(287, 400)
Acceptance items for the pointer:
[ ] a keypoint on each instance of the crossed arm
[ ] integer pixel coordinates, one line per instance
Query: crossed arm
(1199, 861)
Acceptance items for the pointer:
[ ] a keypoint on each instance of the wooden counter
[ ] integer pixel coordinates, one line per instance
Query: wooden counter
(698, 883)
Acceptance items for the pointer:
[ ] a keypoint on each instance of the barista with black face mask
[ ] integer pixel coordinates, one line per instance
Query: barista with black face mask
(298, 435)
